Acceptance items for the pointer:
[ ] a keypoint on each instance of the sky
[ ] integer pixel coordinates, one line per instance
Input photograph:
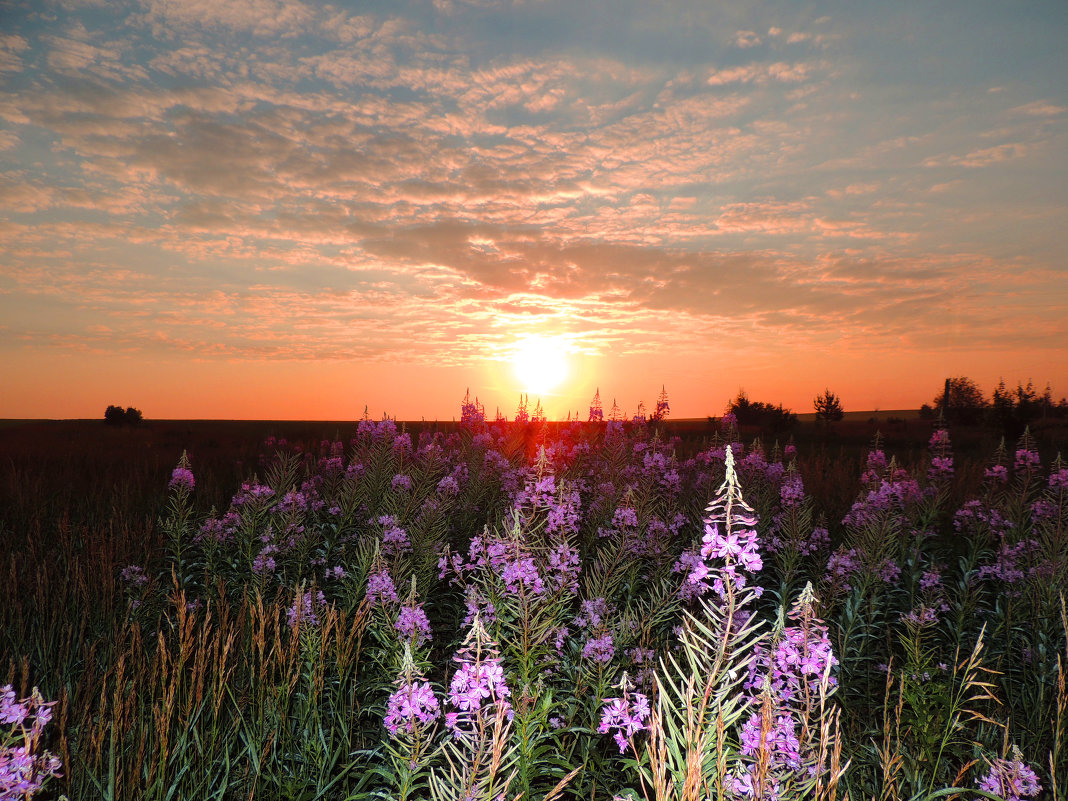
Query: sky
(282, 209)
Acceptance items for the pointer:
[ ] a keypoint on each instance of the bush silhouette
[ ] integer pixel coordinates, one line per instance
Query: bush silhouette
(117, 416)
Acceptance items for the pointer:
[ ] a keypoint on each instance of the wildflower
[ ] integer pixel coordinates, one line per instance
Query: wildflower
(1059, 479)
(921, 617)
(23, 772)
(564, 566)
(998, 473)
(931, 579)
(381, 589)
(792, 492)
(1012, 779)
(182, 479)
(264, 562)
(626, 716)
(413, 624)
(304, 611)
(599, 649)
(780, 742)
(478, 688)
(394, 538)
(595, 611)
(413, 705)
(134, 576)
(401, 483)
(1026, 459)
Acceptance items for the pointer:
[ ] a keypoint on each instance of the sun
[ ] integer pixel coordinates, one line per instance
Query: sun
(540, 363)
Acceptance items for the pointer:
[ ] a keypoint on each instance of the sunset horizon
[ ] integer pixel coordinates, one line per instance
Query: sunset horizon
(276, 209)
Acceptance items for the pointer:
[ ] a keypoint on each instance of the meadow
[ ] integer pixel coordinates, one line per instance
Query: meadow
(495, 610)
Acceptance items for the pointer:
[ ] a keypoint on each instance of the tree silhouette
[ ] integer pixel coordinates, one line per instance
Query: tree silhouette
(117, 416)
(828, 407)
(961, 401)
(758, 413)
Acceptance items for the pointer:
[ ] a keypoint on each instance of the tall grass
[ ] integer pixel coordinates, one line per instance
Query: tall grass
(243, 632)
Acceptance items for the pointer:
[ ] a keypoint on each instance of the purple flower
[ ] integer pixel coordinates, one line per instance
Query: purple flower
(998, 473)
(1012, 779)
(394, 538)
(1059, 479)
(599, 649)
(412, 623)
(1026, 459)
(921, 617)
(182, 479)
(411, 707)
(11, 711)
(305, 609)
(22, 772)
(780, 742)
(380, 588)
(624, 717)
(401, 483)
(134, 575)
(792, 491)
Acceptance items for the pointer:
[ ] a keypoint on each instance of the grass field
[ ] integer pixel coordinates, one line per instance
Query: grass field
(225, 632)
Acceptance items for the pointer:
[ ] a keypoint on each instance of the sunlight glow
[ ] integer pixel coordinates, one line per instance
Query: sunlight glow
(540, 363)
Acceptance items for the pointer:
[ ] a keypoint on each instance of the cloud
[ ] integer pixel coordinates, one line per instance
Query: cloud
(982, 157)
(746, 39)
(1040, 108)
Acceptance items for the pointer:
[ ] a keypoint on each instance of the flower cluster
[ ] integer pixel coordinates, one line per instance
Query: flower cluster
(478, 689)
(779, 740)
(1012, 779)
(305, 609)
(182, 479)
(412, 706)
(624, 717)
(381, 589)
(23, 771)
(413, 625)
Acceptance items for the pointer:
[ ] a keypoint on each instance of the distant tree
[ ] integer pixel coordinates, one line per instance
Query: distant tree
(1002, 411)
(117, 416)
(758, 413)
(615, 414)
(828, 407)
(1028, 404)
(961, 401)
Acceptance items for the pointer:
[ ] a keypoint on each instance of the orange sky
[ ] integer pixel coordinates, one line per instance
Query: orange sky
(277, 209)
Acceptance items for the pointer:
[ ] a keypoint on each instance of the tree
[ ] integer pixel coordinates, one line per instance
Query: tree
(961, 401)
(828, 407)
(758, 413)
(117, 416)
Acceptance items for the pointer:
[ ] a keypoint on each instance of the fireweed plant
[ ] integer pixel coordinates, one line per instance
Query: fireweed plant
(518, 609)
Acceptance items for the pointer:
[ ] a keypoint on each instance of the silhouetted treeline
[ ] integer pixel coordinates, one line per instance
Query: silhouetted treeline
(117, 416)
(962, 401)
(762, 415)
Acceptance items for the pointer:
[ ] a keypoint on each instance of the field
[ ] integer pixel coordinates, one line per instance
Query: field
(367, 609)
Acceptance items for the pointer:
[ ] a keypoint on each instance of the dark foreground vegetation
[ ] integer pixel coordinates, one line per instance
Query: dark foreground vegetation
(869, 608)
